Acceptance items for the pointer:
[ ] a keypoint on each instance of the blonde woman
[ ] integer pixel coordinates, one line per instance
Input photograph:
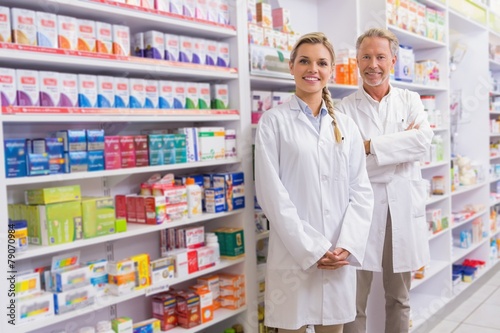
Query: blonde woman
(312, 184)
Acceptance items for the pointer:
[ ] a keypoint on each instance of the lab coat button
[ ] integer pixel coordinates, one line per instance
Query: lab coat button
(321, 142)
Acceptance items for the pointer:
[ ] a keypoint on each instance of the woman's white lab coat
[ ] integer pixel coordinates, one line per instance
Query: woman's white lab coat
(317, 196)
(394, 171)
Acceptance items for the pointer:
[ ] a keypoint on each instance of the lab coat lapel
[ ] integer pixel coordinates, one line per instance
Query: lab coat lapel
(295, 107)
(366, 108)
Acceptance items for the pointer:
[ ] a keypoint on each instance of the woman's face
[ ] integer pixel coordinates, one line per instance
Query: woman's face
(311, 69)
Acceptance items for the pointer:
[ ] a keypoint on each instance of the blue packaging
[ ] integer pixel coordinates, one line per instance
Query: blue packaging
(15, 157)
(233, 184)
(74, 140)
(95, 139)
(78, 161)
(95, 160)
(214, 200)
(38, 164)
(55, 149)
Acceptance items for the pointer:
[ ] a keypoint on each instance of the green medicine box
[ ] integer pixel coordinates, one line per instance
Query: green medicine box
(231, 242)
(51, 195)
(98, 216)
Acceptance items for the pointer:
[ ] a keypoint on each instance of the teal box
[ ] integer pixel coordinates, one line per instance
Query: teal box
(156, 151)
(180, 148)
(169, 148)
(95, 160)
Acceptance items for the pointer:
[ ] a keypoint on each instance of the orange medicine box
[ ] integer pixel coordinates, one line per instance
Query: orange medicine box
(206, 302)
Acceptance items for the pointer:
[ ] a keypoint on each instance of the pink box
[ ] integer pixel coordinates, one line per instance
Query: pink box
(112, 154)
(256, 116)
(141, 150)
(127, 151)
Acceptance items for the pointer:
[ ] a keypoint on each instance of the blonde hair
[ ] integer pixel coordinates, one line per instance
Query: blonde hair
(380, 33)
(320, 38)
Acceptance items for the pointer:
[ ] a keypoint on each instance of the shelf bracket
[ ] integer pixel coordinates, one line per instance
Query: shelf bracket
(106, 188)
(112, 312)
(110, 255)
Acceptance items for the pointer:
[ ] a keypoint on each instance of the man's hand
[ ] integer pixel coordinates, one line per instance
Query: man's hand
(333, 260)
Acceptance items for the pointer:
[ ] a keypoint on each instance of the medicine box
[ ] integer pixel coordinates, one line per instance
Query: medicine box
(164, 309)
(8, 91)
(98, 216)
(15, 157)
(5, 27)
(104, 38)
(212, 142)
(127, 151)
(147, 326)
(68, 85)
(233, 184)
(28, 87)
(56, 223)
(23, 26)
(112, 152)
(77, 161)
(231, 242)
(51, 195)
(38, 164)
(67, 30)
(71, 278)
(172, 47)
(74, 299)
(34, 307)
(122, 325)
(86, 35)
(46, 27)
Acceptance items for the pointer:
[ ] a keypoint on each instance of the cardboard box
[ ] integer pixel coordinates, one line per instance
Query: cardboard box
(53, 195)
(98, 216)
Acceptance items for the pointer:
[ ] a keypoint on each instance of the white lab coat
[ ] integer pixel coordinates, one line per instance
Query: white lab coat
(395, 174)
(317, 196)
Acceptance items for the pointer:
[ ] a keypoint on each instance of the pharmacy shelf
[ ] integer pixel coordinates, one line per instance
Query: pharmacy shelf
(458, 19)
(440, 129)
(420, 88)
(219, 316)
(35, 57)
(465, 189)
(470, 218)
(494, 203)
(117, 172)
(414, 40)
(439, 233)
(459, 253)
(427, 305)
(110, 300)
(463, 286)
(435, 266)
(495, 179)
(436, 198)
(136, 18)
(494, 134)
(19, 114)
(434, 165)
(133, 229)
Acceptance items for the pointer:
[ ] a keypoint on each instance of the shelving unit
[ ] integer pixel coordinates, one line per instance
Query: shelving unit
(428, 295)
(21, 122)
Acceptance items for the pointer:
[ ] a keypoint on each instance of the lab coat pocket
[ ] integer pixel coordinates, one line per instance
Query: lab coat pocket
(396, 126)
(418, 197)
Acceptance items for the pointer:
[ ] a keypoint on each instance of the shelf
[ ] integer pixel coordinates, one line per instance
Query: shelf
(436, 266)
(458, 253)
(439, 233)
(261, 235)
(219, 316)
(417, 42)
(494, 134)
(465, 189)
(23, 56)
(110, 300)
(494, 65)
(494, 157)
(492, 180)
(137, 18)
(434, 165)
(455, 225)
(436, 198)
(457, 19)
(462, 286)
(420, 88)
(116, 172)
(440, 129)
(133, 229)
(19, 114)
(262, 82)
